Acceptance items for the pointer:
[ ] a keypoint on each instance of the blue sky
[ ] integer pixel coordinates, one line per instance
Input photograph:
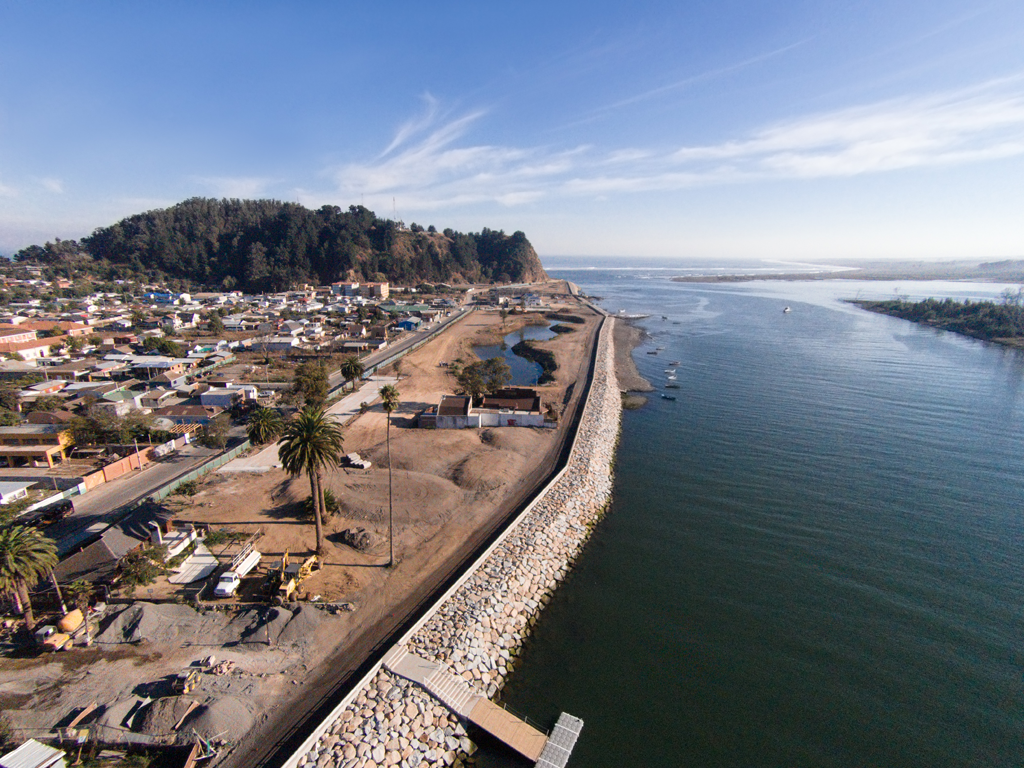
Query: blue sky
(732, 128)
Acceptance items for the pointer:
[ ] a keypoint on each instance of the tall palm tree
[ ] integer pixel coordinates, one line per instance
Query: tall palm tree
(389, 401)
(309, 444)
(80, 592)
(26, 555)
(352, 368)
(264, 425)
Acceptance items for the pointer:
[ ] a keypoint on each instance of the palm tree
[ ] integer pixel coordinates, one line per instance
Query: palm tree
(264, 425)
(389, 401)
(352, 368)
(80, 591)
(26, 555)
(309, 444)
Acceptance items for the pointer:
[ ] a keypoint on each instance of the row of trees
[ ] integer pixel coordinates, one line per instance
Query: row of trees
(979, 319)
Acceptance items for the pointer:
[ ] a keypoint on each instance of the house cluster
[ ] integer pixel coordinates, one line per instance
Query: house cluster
(173, 355)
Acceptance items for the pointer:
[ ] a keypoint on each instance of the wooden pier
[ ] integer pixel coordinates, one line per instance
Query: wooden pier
(454, 693)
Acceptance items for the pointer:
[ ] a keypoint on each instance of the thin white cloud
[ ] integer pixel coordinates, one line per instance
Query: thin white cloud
(431, 163)
(7, 191)
(412, 127)
(53, 185)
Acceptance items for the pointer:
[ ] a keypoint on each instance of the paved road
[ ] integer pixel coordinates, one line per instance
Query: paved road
(343, 410)
(376, 358)
(95, 509)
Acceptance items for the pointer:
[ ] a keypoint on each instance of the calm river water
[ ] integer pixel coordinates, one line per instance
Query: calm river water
(813, 557)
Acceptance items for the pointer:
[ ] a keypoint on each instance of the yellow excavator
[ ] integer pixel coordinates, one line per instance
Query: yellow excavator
(290, 575)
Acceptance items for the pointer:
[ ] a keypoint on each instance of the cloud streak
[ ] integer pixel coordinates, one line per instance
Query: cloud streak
(432, 163)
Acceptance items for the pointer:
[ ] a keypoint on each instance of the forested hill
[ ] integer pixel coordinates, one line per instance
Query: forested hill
(267, 245)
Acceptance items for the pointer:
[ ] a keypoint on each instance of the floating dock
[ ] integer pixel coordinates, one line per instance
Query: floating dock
(545, 751)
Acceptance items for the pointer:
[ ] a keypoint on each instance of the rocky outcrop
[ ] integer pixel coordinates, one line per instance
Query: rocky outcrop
(478, 632)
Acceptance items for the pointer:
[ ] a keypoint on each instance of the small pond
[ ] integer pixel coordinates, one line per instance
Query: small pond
(525, 373)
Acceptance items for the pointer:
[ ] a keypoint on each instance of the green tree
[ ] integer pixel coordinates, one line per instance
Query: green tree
(164, 346)
(311, 443)
(26, 555)
(46, 403)
(352, 368)
(216, 325)
(484, 376)
(215, 431)
(8, 418)
(310, 382)
(137, 569)
(389, 398)
(10, 398)
(264, 426)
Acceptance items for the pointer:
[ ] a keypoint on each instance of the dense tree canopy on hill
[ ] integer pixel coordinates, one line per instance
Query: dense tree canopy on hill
(267, 245)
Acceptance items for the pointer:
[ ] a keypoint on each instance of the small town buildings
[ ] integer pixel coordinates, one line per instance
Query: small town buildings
(29, 444)
(187, 414)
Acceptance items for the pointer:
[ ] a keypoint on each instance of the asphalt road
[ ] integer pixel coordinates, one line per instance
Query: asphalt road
(102, 504)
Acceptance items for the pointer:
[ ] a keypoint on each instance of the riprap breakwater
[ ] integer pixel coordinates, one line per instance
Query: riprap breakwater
(477, 631)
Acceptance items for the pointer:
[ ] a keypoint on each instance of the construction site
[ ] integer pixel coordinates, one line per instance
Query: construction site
(251, 625)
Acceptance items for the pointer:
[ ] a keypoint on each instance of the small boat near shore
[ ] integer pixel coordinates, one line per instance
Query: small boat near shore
(786, 311)
(652, 352)
(671, 377)
(674, 363)
(668, 397)
(672, 385)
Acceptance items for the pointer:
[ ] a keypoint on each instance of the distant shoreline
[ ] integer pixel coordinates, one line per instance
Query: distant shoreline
(1008, 271)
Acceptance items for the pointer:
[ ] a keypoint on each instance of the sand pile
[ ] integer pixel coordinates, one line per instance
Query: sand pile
(160, 717)
(163, 623)
(278, 626)
(114, 714)
(225, 718)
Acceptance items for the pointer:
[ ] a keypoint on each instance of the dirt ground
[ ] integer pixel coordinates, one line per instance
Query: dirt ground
(627, 338)
(448, 486)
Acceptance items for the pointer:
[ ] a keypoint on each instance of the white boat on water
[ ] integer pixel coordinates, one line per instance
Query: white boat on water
(786, 311)
(671, 377)
(674, 362)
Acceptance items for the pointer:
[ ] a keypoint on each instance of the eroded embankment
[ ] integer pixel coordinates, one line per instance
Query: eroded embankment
(478, 631)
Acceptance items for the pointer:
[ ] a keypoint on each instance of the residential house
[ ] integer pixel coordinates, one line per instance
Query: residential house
(34, 444)
(188, 414)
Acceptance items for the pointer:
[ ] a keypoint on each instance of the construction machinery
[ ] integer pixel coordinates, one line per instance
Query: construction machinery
(290, 575)
(185, 681)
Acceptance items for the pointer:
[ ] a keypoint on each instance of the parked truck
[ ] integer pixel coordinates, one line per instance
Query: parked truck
(240, 567)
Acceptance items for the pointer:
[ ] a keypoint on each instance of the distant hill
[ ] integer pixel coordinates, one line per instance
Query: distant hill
(267, 245)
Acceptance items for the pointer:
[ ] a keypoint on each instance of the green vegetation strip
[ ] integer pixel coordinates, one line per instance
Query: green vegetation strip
(979, 319)
(543, 357)
(565, 317)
